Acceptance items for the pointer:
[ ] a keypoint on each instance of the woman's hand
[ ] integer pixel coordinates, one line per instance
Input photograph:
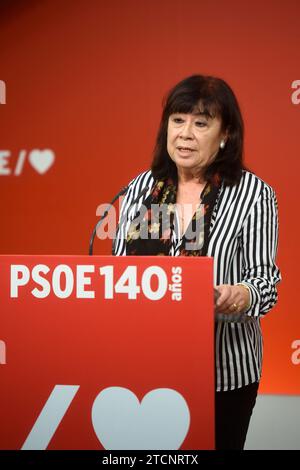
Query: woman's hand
(232, 299)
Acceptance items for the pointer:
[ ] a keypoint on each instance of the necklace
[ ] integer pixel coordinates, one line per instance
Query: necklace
(190, 215)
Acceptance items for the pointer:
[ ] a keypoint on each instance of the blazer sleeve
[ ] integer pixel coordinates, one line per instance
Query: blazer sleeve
(259, 249)
(129, 206)
(119, 243)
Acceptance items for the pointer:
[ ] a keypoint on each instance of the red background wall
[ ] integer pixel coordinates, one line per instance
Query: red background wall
(86, 80)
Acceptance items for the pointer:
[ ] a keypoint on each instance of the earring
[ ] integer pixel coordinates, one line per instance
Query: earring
(222, 144)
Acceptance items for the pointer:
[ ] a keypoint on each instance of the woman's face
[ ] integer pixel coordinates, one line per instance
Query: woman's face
(193, 140)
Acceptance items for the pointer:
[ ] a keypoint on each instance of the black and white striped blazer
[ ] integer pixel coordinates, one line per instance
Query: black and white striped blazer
(243, 239)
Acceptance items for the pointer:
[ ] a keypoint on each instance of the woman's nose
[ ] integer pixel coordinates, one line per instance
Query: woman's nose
(186, 131)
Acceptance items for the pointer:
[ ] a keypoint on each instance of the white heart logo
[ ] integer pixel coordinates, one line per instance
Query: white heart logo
(161, 421)
(41, 160)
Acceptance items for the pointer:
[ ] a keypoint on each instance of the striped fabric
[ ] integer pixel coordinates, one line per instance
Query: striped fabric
(243, 242)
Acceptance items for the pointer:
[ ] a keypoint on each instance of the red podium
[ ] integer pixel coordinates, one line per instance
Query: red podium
(106, 352)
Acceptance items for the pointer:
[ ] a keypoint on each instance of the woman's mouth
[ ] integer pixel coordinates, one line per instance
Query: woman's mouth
(185, 150)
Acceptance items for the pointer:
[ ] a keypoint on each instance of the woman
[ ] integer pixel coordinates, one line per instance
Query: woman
(198, 160)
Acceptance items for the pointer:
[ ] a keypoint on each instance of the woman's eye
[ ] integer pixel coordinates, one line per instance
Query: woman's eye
(178, 120)
(201, 124)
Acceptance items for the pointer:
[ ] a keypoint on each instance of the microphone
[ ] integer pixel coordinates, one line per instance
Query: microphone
(103, 217)
(141, 193)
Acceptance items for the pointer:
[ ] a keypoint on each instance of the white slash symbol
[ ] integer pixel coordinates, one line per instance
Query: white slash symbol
(50, 417)
(20, 162)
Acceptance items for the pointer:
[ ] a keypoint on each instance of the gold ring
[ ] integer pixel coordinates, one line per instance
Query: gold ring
(234, 306)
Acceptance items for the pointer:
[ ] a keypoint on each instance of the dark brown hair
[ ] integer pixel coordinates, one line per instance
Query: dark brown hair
(211, 97)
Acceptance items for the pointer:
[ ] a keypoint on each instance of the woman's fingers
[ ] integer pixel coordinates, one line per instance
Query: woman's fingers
(232, 299)
(224, 299)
